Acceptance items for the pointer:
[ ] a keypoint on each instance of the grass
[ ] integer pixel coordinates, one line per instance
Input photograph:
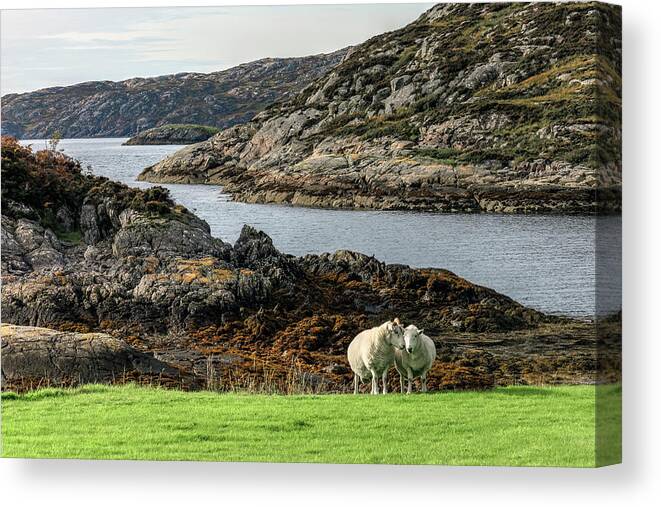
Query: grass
(443, 155)
(73, 237)
(521, 426)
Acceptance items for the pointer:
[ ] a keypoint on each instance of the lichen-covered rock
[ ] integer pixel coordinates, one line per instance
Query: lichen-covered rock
(190, 166)
(180, 234)
(26, 245)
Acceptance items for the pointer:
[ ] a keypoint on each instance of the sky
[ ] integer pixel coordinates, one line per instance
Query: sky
(57, 47)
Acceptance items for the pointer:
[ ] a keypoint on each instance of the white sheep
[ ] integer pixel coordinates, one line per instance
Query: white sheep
(371, 354)
(416, 359)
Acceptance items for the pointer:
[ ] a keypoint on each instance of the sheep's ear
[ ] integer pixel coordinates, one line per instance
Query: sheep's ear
(396, 321)
(420, 331)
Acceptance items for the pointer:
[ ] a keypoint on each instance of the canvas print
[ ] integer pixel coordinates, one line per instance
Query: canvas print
(331, 233)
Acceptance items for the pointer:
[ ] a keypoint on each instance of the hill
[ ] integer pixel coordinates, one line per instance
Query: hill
(121, 109)
(504, 107)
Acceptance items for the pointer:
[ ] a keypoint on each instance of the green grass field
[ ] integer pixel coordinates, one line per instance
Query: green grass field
(507, 426)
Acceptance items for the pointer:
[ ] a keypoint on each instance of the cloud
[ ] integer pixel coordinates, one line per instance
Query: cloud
(94, 36)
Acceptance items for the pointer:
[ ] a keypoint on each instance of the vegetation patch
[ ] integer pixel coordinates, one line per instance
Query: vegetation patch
(48, 180)
(443, 155)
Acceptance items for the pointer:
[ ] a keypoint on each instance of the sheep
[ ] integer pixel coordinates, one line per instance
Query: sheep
(371, 353)
(416, 359)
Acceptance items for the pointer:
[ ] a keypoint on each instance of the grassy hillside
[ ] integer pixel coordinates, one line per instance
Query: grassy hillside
(507, 426)
(516, 82)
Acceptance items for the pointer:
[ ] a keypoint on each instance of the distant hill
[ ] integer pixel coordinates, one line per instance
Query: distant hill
(502, 107)
(124, 108)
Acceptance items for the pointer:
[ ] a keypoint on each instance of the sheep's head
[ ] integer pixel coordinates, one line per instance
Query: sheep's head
(395, 334)
(412, 338)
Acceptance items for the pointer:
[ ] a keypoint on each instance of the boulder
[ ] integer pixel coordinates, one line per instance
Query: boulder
(39, 357)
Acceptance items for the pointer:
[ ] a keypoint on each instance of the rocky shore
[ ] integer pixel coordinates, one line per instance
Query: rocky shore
(361, 181)
(82, 254)
(173, 134)
(511, 108)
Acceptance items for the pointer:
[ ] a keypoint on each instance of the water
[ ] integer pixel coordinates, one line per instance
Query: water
(545, 262)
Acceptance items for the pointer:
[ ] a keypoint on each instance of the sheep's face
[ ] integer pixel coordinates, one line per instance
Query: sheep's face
(396, 334)
(412, 338)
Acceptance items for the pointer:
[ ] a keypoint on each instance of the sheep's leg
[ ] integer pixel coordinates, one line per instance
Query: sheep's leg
(383, 380)
(409, 375)
(401, 383)
(375, 383)
(355, 383)
(423, 379)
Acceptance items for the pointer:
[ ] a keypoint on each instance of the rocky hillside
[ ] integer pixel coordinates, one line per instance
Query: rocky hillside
(505, 107)
(121, 109)
(83, 254)
(173, 134)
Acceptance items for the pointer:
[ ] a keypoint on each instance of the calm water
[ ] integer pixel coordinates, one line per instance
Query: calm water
(546, 262)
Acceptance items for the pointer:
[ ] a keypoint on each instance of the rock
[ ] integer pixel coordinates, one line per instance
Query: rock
(401, 98)
(99, 219)
(18, 209)
(89, 225)
(65, 219)
(40, 357)
(29, 246)
(13, 254)
(48, 254)
(189, 167)
(399, 82)
(254, 247)
(29, 234)
(145, 235)
(488, 72)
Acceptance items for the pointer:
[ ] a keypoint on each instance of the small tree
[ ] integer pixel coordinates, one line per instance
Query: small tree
(54, 141)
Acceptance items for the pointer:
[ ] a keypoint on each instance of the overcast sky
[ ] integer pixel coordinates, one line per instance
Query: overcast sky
(54, 47)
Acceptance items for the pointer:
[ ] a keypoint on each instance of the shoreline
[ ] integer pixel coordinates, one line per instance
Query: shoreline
(259, 198)
(404, 203)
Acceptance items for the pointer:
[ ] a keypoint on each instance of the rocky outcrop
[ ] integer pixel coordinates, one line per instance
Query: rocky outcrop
(173, 134)
(148, 273)
(39, 357)
(473, 107)
(121, 109)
